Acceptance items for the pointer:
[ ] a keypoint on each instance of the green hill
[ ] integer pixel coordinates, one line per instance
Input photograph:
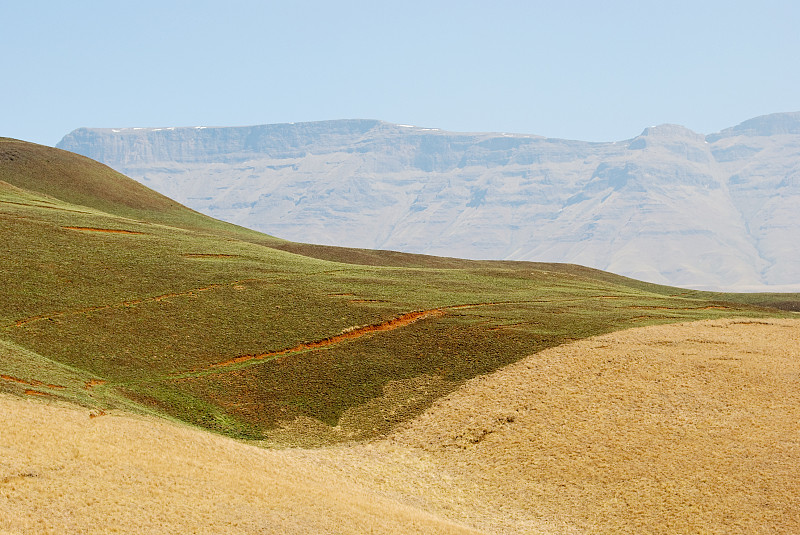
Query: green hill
(116, 296)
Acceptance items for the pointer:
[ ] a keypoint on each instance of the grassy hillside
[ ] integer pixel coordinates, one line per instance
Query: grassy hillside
(682, 428)
(115, 296)
(688, 428)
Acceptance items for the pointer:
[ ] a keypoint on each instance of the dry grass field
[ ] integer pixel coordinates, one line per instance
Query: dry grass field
(62, 472)
(687, 428)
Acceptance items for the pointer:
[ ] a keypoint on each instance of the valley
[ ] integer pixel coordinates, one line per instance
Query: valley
(307, 388)
(661, 429)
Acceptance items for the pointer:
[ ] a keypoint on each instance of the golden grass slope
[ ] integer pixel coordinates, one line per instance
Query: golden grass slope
(688, 428)
(62, 472)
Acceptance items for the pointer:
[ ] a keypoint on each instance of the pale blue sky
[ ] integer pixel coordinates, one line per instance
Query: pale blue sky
(599, 71)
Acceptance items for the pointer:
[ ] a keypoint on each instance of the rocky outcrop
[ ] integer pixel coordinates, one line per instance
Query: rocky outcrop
(669, 206)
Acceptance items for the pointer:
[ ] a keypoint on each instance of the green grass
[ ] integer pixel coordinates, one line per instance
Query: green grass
(150, 311)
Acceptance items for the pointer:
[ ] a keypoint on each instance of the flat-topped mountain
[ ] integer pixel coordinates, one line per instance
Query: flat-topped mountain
(669, 206)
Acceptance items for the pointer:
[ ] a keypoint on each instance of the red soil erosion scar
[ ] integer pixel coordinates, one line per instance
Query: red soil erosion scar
(351, 334)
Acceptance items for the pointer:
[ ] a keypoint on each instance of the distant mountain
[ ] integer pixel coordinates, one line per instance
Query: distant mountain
(668, 206)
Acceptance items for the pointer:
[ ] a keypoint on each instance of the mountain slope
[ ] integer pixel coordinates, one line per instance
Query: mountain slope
(129, 300)
(669, 206)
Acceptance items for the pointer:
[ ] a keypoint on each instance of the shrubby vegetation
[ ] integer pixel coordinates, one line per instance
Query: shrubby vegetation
(115, 296)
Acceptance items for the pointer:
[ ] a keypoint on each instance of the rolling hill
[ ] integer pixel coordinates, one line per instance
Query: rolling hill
(683, 428)
(454, 396)
(117, 297)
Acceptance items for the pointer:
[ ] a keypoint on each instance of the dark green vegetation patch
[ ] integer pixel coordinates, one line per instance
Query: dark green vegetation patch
(115, 296)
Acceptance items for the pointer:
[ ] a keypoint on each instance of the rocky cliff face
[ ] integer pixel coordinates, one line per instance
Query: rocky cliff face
(669, 206)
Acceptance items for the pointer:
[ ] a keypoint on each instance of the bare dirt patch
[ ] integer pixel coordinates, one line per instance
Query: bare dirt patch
(32, 382)
(91, 383)
(30, 392)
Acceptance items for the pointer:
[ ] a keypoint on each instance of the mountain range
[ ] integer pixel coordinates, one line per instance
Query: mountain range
(669, 206)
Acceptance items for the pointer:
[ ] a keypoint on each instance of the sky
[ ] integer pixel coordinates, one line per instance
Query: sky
(588, 70)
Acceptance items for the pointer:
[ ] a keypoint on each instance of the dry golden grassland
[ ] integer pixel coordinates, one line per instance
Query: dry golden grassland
(688, 428)
(62, 472)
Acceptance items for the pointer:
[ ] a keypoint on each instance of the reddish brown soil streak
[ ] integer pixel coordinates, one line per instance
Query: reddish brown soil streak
(43, 206)
(32, 382)
(209, 255)
(358, 332)
(91, 383)
(190, 293)
(36, 393)
(351, 334)
(108, 230)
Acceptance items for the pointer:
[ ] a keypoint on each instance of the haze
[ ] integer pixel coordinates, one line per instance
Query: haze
(575, 70)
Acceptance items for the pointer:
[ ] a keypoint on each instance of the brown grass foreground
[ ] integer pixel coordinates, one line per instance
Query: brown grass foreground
(689, 428)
